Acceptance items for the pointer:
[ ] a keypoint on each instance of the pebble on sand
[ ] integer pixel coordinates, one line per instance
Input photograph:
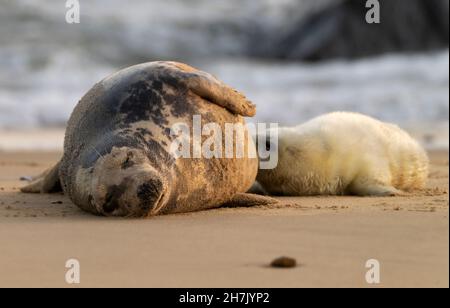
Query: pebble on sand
(284, 262)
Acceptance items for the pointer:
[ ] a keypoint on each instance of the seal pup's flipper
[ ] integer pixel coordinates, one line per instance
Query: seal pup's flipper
(47, 182)
(249, 200)
(375, 190)
(210, 88)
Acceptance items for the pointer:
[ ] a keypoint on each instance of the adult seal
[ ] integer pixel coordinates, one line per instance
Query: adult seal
(118, 159)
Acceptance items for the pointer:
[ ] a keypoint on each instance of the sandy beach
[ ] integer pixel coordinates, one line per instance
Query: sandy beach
(99, 68)
(330, 237)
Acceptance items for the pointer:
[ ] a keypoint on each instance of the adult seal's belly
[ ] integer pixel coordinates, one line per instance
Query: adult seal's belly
(118, 153)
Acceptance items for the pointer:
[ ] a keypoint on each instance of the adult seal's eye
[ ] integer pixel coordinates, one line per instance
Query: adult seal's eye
(128, 162)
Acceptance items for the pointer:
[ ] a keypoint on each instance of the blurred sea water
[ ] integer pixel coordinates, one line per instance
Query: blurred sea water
(47, 65)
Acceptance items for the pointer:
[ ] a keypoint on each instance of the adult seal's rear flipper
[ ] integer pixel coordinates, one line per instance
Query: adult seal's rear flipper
(210, 88)
(47, 182)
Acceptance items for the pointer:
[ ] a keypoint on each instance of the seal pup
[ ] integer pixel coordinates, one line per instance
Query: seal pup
(345, 153)
(117, 152)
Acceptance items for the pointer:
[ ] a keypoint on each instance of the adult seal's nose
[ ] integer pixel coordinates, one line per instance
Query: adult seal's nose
(151, 194)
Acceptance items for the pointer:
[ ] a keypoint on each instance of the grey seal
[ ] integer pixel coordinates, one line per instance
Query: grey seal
(117, 159)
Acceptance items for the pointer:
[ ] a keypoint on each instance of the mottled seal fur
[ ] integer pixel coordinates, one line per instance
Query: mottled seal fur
(117, 159)
(345, 153)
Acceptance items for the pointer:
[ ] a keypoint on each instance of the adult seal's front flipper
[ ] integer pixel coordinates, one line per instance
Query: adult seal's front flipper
(250, 200)
(211, 89)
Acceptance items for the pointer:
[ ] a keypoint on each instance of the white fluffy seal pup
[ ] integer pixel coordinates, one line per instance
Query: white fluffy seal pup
(345, 153)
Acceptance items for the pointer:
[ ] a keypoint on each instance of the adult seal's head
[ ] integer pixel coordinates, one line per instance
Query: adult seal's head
(125, 182)
(117, 154)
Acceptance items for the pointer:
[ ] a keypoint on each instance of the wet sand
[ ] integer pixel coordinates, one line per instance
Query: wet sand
(330, 237)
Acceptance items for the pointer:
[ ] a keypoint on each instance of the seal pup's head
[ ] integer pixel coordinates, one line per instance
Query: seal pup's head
(124, 183)
(281, 142)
